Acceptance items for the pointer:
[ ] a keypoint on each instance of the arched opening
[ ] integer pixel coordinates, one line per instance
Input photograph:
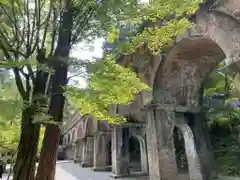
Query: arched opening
(88, 126)
(69, 138)
(134, 154)
(187, 65)
(73, 135)
(180, 76)
(180, 151)
(179, 82)
(62, 140)
(80, 130)
(186, 154)
(109, 153)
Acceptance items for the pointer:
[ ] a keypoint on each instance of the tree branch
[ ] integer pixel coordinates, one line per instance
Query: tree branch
(31, 73)
(54, 31)
(9, 46)
(19, 84)
(26, 9)
(46, 26)
(80, 25)
(75, 75)
(13, 22)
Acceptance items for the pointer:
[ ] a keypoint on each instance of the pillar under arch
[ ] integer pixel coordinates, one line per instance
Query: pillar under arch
(194, 165)
(160, 145)
(87, 156)
(78, 154)
(101, 152)
(120, 154)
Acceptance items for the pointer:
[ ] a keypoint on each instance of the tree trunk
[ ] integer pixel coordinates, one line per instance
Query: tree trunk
(47, 163)
(48, 157)
(27, 149)
(24, 168)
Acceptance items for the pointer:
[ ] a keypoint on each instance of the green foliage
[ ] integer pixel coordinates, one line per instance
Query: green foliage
(226, 152)
(10, 115)
(223, 122)
(168, 19)
(110, 84)
(10, 108)
(215, 84)
(10, 101)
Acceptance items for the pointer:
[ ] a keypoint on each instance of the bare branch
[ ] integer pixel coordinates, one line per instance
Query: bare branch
(19, 84)
(5, 51)
(23, 73)
(24, 25)
(33, 45)
(5, 39)
(43, 3)
(75, 75)
(82, 21)
(16, 29)
(9, 46)
(31, 73)
(27, 12)
(46, 26)
(28, 85)
(13, 21)
(38, 13)
(54, 31)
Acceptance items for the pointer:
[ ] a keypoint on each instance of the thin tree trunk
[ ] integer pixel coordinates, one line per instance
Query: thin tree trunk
(24, 168)
(27, 149)
(48, 156)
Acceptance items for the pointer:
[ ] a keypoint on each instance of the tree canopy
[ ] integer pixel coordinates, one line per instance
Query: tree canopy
(110, 83)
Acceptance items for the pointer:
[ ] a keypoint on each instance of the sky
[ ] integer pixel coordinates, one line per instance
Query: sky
(79, 52)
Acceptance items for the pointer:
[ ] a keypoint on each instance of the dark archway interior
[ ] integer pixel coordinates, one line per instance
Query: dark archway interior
(73, 135)
(131, 119)
(181, 158)
(61, 141)
(109, 153)
(69, 138)
(134, 154)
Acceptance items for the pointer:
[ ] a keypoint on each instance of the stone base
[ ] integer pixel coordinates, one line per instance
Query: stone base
(77, 160)
(114, 176)
(106, 168)
(85, 165)
(133, 174)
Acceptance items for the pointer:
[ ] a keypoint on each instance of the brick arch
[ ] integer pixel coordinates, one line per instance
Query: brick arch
(184, 69)
(181, 73)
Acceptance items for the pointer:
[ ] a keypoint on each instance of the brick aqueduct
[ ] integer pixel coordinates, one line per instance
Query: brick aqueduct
(176, 77)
